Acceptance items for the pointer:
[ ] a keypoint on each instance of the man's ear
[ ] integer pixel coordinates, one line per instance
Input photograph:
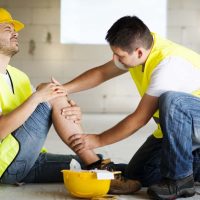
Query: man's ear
(139, 52)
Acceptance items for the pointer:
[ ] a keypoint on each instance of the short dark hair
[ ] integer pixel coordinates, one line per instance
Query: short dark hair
(129, 33)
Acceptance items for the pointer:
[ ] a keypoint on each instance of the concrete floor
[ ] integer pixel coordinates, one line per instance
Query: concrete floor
(92, 123)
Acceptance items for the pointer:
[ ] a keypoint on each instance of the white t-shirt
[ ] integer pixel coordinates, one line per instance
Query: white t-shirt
(172, 74)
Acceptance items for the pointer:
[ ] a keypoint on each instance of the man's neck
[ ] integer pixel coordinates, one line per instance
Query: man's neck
(147, 53)
(4, 60)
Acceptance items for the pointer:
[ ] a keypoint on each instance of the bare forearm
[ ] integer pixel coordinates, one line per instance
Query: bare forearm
(93, 77)
(14, 119)
(87, 80)
(145, 110)
(122, 130)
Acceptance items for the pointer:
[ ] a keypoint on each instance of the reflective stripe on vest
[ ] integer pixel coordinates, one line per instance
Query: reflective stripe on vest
(162, 49)
(9, 146)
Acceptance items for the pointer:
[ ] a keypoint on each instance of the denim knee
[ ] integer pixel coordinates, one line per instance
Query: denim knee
(167, 99)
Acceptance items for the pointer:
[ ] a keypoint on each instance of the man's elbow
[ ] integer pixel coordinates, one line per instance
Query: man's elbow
(2, 135)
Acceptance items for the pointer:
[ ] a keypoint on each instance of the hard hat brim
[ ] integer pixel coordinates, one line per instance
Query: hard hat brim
(17, 25)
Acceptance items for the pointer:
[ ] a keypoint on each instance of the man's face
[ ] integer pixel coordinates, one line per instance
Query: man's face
(8, 40)
(127, 59)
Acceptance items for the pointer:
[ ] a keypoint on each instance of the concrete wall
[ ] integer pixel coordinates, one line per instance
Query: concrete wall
(183, 22)
(42, 56)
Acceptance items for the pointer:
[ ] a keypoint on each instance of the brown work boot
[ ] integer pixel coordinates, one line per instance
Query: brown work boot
(121, 185)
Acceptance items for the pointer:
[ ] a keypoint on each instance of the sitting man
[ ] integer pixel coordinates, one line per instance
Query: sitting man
(26, 116)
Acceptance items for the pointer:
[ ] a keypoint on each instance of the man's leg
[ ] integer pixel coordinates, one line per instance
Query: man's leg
(48, 167)
(145, 164)
(142, 170)
(180, 123)
(196, 165)
(65, 128)
(31, 136)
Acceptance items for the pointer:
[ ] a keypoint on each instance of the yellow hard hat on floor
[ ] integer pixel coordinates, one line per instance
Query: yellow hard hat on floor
(5, 17)
(84, 184)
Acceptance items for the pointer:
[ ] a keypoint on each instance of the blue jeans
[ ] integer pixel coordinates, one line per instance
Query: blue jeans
(180, 123)
(177, 155)
(30, 165)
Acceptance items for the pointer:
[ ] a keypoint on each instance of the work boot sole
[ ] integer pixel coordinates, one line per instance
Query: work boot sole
(189, 192)
(119, 192)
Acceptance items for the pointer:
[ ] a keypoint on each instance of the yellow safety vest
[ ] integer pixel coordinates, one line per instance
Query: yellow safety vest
(161, 49)
(9, 146)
